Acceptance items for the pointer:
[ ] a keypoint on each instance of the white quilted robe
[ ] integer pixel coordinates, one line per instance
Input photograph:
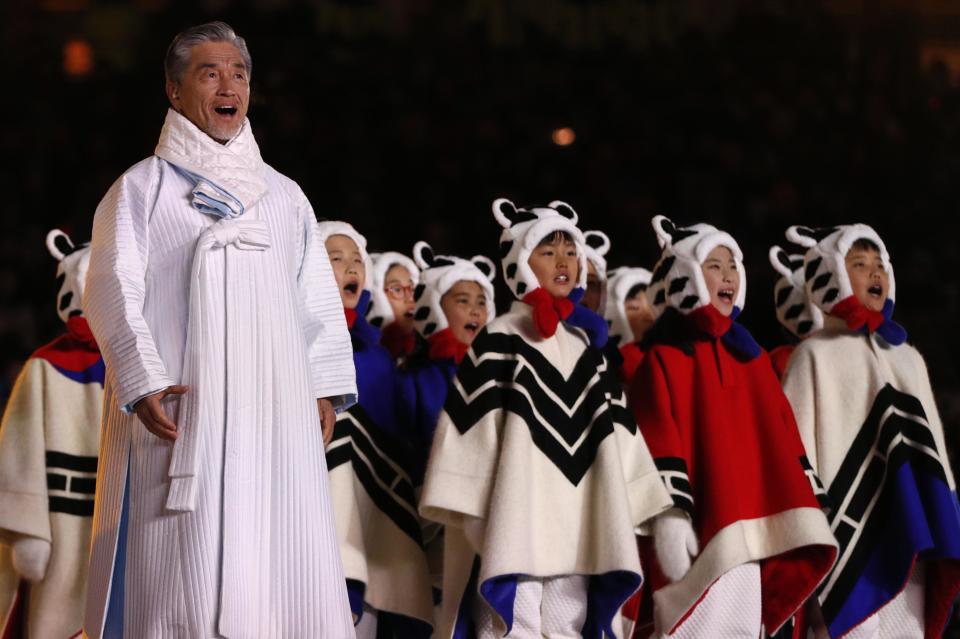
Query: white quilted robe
(241, 542)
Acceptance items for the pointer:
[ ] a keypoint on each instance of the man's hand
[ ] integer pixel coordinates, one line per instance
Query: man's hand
(151, 413)
(328, 417)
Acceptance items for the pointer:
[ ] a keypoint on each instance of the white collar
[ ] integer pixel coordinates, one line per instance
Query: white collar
(236, 167)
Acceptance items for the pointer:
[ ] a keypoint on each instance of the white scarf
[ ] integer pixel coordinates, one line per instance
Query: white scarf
(230, 177)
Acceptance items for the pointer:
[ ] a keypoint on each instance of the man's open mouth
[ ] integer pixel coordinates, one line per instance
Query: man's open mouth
(725, 294)
(229, 111)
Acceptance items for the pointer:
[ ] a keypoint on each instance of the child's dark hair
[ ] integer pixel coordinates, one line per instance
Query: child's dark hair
(635, 290)
(865, 244)
(557, 237)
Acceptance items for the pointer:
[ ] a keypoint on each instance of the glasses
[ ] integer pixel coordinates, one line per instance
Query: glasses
(399, 292)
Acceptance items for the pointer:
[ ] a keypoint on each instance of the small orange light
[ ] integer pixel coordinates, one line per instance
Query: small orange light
(564, 136)
(77, 58)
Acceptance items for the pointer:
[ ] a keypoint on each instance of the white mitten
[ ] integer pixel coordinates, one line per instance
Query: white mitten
(675, 542)
(474, 530)
(30, 557)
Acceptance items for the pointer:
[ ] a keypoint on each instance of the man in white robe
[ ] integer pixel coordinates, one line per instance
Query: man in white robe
(226, 347)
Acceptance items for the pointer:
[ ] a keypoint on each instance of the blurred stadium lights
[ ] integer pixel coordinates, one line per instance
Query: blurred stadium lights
(77, 58)
(564, 136)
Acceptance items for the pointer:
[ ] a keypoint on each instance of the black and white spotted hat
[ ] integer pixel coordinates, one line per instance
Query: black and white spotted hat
(677, 279)
(824, 263)
(794, 309)
(597, 247)
(72, 264)
(329, 228)
(523, 229)
(438, 274)
(623, 283)
(380, 312)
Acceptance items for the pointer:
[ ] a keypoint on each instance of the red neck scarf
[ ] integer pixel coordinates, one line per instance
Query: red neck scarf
(398, 341)
(711, 321)
(79, 330)
(351, 314)
(548, 310)
(443, 346)
(856, 315)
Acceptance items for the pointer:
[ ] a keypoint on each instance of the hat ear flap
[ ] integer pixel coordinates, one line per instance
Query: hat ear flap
(802, 235)
(485, 265)
(505, 212)
(59, 244)
(598, 241)
(565, 210)
(423, 255)
(664, 229)
(780, 261)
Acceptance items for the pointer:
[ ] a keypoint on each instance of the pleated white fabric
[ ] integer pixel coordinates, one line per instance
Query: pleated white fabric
(248, 548)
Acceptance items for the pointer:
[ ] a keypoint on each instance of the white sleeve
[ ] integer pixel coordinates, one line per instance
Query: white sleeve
(325, 326)
(114, 295)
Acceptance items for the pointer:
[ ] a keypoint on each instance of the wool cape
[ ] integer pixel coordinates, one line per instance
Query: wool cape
(243, 543)
(724, 440)
(868, 420)
(48, 463)
(372, 466)
(535, 448)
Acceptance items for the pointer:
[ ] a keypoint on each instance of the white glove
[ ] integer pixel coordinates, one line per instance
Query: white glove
(30, 557)
(675, 543)
(474, 529)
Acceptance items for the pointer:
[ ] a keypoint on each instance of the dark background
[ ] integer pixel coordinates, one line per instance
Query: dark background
(407, 118)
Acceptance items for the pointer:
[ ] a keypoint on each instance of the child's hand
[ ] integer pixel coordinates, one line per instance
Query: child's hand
(675, 542)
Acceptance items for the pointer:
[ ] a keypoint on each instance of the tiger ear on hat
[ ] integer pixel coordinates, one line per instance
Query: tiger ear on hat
(485, 265)
(598, 241)
(565, 210)
(423, 255)
(59, 244)
(780, 261)
(806, 236)
(664, 229)
(507, 214)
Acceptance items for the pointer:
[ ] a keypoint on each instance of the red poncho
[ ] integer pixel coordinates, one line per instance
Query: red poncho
(726, 443)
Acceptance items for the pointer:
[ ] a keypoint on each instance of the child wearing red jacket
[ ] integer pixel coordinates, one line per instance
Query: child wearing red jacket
(746, 542)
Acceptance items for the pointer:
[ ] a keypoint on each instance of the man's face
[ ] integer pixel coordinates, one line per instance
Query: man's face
(214, 91)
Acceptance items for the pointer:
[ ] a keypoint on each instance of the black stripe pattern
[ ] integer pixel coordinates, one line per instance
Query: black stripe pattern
(895, 432)
(381, 462)
(673, 472)
(568, 417)
(818, 490)
(71, 483)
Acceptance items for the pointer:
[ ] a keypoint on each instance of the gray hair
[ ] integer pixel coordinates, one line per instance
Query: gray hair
(178, 53)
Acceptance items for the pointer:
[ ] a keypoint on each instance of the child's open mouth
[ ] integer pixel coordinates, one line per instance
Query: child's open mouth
(472, 327)
(876, 290)
(726, 294)
(352, 287)
(409, 314)
(563, 278)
